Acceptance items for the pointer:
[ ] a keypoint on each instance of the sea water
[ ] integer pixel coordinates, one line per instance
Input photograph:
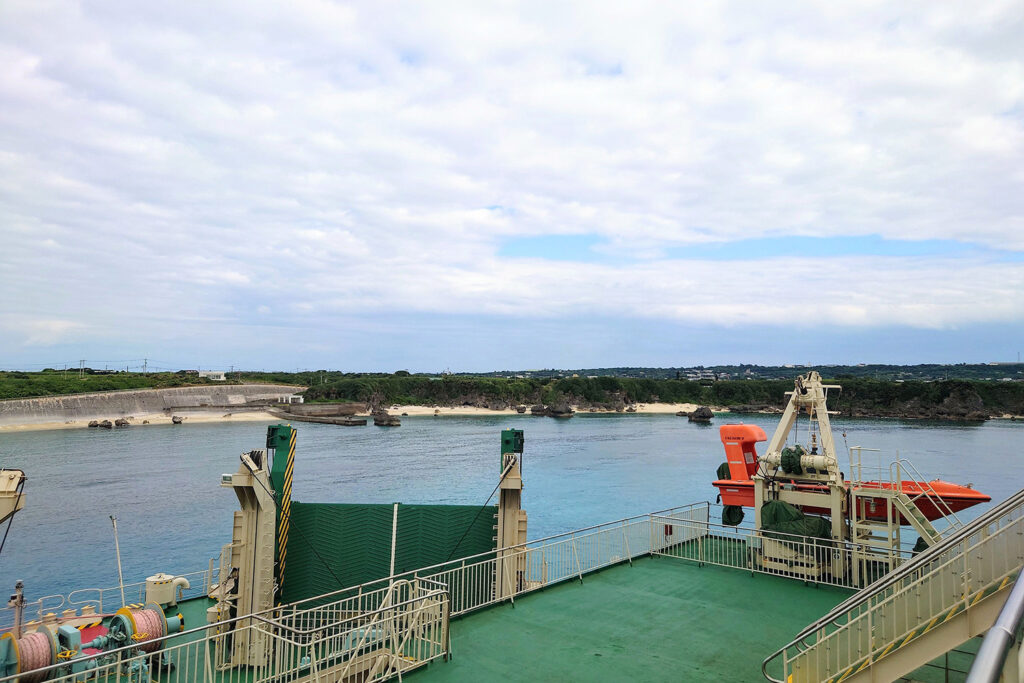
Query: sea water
(161, 482)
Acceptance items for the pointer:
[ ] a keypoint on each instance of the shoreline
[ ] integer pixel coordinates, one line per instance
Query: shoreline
(191, 417)
(641, 408)
(206, 417)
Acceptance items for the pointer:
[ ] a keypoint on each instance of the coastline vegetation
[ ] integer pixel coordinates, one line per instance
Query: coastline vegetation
(860, 396)
(953, 399)
(72, 381)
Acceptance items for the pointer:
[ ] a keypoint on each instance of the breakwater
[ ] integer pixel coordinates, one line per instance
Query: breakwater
(77, 407)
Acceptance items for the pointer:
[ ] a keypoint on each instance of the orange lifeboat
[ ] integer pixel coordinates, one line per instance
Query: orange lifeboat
(740, 442)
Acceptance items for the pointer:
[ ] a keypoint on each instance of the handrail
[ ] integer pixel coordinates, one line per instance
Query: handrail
(988, 663)
(526, 545)
(127, 652)
(897, 575)
(910, 566)
(385, 605)
(934, 498)
(479, 556)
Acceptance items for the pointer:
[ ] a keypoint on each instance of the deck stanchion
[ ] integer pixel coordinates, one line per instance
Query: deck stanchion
(576, 557)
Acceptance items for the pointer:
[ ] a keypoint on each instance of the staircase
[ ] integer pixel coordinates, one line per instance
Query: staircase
(906, 507)
(944, 596)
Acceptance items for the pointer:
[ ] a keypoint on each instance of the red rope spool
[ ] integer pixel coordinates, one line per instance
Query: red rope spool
(150, 625)
(35, 652)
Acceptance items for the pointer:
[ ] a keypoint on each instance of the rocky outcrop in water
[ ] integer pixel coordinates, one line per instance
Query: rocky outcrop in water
(702, 414)
(560, 410)
(177, 419)
(383, 419)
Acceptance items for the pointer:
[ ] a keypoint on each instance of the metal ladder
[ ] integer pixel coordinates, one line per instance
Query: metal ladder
(944, 596)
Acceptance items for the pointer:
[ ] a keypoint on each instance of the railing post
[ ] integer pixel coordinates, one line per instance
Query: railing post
(625, 541)
(576, 556)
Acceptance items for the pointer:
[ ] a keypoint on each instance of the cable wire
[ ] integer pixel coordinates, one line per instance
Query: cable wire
(21, 488)
(482, 508)
(288, 516)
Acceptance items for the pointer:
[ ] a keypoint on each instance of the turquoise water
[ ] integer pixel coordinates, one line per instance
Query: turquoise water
(162, 482)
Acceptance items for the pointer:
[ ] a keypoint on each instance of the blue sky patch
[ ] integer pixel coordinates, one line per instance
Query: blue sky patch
(554, 248)
(587, 248)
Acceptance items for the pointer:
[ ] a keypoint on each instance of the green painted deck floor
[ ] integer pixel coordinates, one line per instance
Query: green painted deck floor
(660, 619)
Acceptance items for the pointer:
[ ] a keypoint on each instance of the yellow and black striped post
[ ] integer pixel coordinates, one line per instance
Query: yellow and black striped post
(281, 438)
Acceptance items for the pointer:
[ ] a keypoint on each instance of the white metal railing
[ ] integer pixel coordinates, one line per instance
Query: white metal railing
(471, 579)
(892, 476)
(109, 599)
(406, 628)
(941, 583)
(836, 563)
(106, 600)
(34, 609)
(381, 628)
(926, 491)
(384, 627)
(991, 660)
(532, 565)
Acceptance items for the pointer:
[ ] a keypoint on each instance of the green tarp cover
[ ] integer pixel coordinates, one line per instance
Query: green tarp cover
(723, 471)
(780, 516)
(732, 514)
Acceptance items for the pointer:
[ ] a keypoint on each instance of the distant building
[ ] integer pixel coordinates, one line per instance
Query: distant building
(215, 375)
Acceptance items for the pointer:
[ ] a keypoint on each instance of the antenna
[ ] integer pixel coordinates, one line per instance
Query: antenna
(117, 549)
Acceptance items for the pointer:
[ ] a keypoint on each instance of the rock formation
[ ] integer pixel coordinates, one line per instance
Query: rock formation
(702, 414)
(562, 409)
(381, 418)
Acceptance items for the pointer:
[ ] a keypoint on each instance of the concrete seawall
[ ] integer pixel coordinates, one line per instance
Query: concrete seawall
(76, 407)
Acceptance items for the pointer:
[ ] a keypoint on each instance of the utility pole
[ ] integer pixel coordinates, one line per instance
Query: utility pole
(81, 369)
(145, 365)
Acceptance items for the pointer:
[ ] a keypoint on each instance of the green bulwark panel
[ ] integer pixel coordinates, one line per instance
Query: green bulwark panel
(355, 542)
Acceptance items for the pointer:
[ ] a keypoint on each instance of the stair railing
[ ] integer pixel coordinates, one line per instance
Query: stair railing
(912, 570)
(926, 490)
(991, 658)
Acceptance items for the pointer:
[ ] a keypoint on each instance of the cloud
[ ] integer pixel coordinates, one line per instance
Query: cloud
(210, 163)
(44, 332)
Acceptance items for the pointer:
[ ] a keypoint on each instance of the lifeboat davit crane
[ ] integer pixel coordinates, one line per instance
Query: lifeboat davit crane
(810, 478)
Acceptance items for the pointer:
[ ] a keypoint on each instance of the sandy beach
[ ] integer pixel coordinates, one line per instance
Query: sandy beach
(654, 408)
(198, 416)
(191, 417)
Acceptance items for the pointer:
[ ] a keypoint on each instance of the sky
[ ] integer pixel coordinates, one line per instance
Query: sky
(476, 186)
